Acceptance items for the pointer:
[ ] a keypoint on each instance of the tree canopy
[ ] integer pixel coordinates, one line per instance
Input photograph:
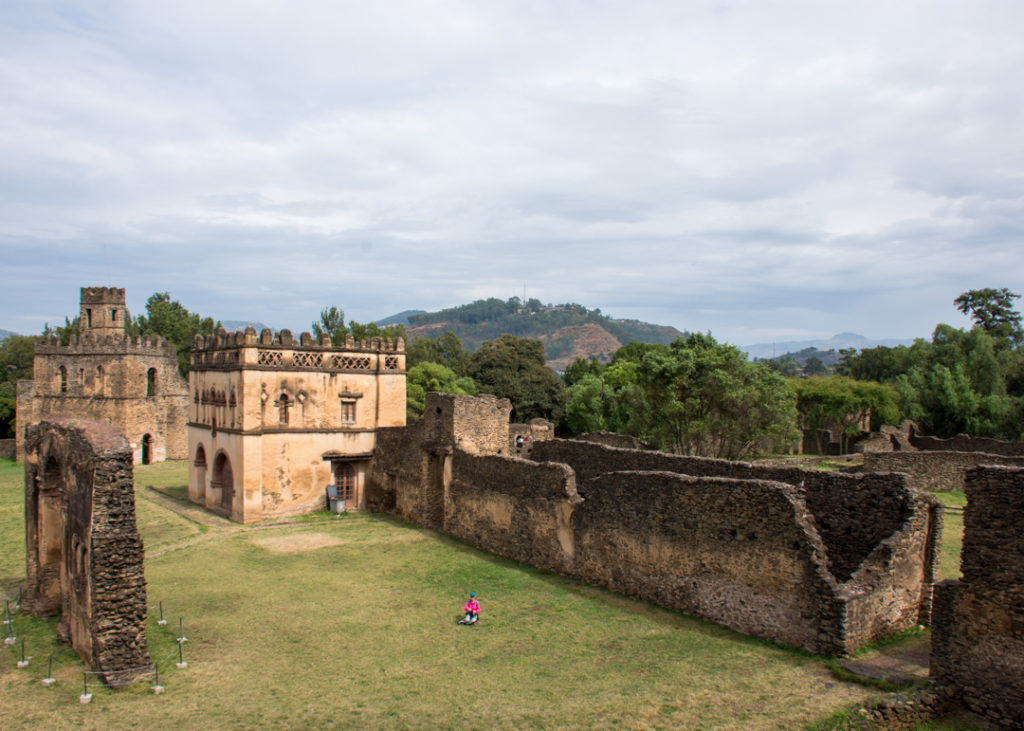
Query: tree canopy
(514, 368)
(992, 310)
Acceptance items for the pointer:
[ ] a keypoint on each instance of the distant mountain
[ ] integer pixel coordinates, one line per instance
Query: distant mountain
(568, 331)
(836, 342)
(7, 333)
(240, 325)
(402, 318)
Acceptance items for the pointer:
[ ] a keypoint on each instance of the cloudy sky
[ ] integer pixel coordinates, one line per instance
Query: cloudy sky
(763, 170)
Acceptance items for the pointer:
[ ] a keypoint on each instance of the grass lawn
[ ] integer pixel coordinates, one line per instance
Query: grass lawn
(349, 622)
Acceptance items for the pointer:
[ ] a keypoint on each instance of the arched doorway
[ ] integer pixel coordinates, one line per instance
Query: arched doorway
(223, 480)
(147, 449)
(199, 474)
(50, 536)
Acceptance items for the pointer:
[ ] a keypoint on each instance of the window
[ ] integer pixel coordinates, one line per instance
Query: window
(101, 381)
(283, 404)
(151, 382)
(348, 412)
(88, 317)
(63, 379)
(113, 315)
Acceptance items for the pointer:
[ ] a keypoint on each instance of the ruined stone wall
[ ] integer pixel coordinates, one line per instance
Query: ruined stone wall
(522, 437)
(738, 552)
(395, 481)
(935, 471)
(966, 443)
(822, 560)
(513, 507)
(477, 424)
(84, 554)
(978, 623)
(610, 439)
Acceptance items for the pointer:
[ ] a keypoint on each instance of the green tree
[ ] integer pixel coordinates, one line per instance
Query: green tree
(17, 353)
(446, 349)
(815, 366)
(514, 368)
(332, 323)
(840, 400)
(992, 310)
(425, 377)
(172, 321)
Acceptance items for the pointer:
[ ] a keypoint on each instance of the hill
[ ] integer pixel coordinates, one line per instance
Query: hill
(568, 331)
(6, 333)
(401, 318)
(836, 342)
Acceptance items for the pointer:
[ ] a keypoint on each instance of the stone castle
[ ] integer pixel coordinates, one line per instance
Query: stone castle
(130, 382)
(275, 421)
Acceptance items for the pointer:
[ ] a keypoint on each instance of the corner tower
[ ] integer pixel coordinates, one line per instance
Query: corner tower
(103, 311)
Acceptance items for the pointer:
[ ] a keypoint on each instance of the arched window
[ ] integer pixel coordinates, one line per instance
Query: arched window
(101, 381)
(63, 379)
(223, 479)
(200, 472)
(151, 382)
(283, 404)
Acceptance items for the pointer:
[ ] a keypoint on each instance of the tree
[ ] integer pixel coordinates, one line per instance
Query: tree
(446, 349)
(839, 400)
(17, 353)
(332, 323)
(992, 310)
(426, 377)
(172, 321)
(514, 368)
(815, 366)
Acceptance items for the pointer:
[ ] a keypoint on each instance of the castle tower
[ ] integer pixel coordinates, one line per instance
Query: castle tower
(103, 311)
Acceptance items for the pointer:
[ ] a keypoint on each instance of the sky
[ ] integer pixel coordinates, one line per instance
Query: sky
(760, 170)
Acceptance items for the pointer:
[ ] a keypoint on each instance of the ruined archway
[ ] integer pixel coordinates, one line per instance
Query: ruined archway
(83, 562)
(223, 479)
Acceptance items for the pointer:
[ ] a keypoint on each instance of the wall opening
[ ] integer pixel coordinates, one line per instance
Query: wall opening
(223, 479)
(345, 479)
(50, 535)
(63, 379)
(101, 381)
(147, 449)
(200, 472)
(151, 382)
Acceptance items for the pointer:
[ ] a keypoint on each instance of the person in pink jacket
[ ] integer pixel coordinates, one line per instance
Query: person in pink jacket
(472, 610)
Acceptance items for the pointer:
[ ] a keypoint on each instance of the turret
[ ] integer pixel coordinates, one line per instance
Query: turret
(103, 311)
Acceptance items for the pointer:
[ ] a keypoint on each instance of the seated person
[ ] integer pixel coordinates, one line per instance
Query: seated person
(472, 610)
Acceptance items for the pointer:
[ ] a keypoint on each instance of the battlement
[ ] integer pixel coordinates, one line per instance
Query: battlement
(222, 340)
(103, 296)
(102, 344)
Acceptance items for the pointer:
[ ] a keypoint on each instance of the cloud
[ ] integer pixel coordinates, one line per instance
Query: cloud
(746, 167)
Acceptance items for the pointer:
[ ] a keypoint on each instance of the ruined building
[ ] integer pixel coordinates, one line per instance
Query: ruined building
(824, 561)
(978, 623)
(274, 420)
(104, 374)
(83, 551)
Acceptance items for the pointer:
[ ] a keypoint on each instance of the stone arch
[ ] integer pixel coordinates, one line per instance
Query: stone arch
(151, 382)
(147, 449)
(223, 479)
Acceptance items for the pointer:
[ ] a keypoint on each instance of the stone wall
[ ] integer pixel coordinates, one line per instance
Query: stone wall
(966, 443)
(514, 508)
(822, 560)
(6, 448)
(521, 437)
(934, 471)
(84, 554)
(610, 439)
(978, 623)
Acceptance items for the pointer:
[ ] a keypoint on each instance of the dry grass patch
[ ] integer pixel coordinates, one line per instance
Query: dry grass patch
(296, 543)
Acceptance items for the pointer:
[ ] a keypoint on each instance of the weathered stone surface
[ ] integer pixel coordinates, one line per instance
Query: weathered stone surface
(822, 560)
(84, 554)
(935, 471)
(105, 375)
(978, 622)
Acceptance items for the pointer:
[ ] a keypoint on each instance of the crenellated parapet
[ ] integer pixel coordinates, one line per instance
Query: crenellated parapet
(102, 296)
(95, 344)
(284, 351)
